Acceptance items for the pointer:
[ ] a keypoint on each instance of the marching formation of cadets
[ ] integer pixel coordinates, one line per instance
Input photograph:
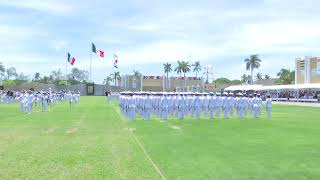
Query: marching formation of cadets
(40, 100)
(180, 105)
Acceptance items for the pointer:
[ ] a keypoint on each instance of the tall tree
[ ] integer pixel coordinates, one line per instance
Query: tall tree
(36, 77)
(78, 75)
(178, 70)
(137, 75)
(244, 79)
(186, 67)
(116, 77)
(196, 68)
(286, 76)
(259, 76)
(167, 69)
(249, 78)
(45, 80)
(223, 80)
(22, 77)
(57, 75)
(11, 72)
(252, 63)
(266, 76)
(236, 81)
(2, 71)
(107, 80)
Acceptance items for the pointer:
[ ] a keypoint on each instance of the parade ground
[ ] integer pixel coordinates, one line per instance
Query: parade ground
(94, 141)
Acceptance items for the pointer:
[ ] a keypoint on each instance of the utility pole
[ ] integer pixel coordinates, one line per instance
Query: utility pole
(208, 71)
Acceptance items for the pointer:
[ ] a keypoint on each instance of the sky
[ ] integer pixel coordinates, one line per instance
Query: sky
(35, 35)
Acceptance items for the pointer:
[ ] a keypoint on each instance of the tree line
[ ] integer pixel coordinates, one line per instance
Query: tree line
(10, 76)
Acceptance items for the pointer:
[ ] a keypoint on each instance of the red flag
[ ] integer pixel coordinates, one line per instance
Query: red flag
(73, 60)
(101, 53)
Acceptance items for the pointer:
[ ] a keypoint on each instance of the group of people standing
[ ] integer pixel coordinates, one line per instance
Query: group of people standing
(197, 105)
(40, 100)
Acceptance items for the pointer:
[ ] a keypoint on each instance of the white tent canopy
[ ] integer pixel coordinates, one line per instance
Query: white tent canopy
(243, 88)
(276, 87)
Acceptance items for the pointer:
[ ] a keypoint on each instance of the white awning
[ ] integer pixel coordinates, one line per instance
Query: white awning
(308, 86)
(243, 88)
(276, 87)
(279, 87)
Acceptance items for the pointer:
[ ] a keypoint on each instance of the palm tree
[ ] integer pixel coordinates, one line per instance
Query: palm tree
(244, 79)
(252, 63)
(185, 67)
(167, 69)
(249, 78)
(266, 76)
(36, 77)
(45, 80)
(107, 80)
(196, 69)
(116, 76)
(178, 69)
(137, 75)
(286, 76)
(259, 76)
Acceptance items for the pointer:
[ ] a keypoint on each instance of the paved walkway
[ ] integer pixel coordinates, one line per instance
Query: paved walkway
(297, 103)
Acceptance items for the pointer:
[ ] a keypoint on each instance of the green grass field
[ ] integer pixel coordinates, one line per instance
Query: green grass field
(94, 141)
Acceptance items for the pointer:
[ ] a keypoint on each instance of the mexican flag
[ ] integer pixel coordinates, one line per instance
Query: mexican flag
(101, 53)
(70, 59)
(94, 50)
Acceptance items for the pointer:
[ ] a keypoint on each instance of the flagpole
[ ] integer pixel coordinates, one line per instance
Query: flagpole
(115, 79)
(90, 65)
(66, 73)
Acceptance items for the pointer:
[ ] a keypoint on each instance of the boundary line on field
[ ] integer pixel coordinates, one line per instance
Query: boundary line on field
(156, 168)
(149, 158)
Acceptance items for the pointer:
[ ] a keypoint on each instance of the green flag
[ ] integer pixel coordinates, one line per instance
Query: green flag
(94, 48)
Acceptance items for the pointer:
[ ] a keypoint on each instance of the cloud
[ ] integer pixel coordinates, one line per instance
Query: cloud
(60, 45)
(54, 7)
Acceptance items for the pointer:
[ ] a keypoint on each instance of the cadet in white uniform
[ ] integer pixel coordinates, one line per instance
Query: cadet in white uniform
(255, 103)
(197, 105)
(218, 105)
(225, 105)
(269, 106)
(241, 108)
(205, 104)
(45, 102)
(132, 106)
(147, 103)
(181, 106)
(231, 104)
(212, 104)
(30, 100)
(259, 105)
